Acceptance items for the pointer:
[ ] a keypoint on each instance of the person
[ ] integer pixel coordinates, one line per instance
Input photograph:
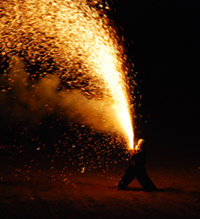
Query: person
(137, 169)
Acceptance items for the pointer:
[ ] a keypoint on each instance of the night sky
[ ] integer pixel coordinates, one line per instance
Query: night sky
(165, 52)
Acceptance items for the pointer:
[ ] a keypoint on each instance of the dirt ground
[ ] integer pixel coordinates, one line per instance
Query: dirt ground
(45, 193)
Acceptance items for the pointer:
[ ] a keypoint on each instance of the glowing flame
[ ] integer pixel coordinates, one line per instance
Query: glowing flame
(106, 61)
(72, 33)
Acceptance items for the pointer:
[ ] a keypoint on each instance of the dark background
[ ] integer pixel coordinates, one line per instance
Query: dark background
(165, 50)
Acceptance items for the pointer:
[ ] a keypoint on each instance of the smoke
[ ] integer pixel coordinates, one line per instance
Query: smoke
(93, 113)
(23, 100)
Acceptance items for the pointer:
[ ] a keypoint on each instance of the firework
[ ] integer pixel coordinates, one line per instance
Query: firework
(75, 42)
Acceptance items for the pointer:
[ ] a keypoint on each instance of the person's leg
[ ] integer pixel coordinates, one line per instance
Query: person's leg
(144, 180)
(128, 177)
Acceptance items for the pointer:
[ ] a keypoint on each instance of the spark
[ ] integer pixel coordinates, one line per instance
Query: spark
(73, 40)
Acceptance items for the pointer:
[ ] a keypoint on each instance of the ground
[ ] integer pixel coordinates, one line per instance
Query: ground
(93, 194)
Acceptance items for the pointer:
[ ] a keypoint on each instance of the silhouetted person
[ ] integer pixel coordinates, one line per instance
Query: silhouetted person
(137, 169)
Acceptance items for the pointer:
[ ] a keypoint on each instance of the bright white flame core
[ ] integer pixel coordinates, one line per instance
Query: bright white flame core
(106, 61)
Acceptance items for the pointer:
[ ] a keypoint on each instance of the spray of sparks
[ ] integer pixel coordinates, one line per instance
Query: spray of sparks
(75, 41)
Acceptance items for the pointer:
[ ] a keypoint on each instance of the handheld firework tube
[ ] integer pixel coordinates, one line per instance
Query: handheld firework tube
(137, 147)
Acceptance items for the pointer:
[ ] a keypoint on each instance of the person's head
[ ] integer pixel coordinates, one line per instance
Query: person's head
(139, 144)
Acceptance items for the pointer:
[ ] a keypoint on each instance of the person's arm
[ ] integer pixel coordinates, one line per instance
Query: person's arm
(132, 151)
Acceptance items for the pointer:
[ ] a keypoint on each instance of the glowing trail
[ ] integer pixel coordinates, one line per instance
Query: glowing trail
(79, 40)
(106, 68)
